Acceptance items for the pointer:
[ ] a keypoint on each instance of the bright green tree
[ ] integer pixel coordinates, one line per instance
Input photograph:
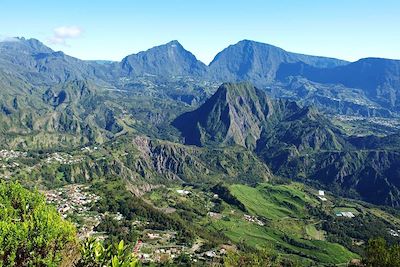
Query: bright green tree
(32, 233)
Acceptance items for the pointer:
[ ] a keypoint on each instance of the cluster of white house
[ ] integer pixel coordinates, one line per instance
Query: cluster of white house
(347, 214)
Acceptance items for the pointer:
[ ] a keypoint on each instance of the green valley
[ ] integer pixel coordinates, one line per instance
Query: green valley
(262, 158)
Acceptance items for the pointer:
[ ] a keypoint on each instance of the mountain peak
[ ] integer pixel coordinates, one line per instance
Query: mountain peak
(256, 43)
(240, 114)
(174, 43)
(259, 62)
(170, 59)
(21, 44)
(236, 89)
(233, 115)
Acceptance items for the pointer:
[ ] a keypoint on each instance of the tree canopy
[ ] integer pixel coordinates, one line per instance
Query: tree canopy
(379, 254)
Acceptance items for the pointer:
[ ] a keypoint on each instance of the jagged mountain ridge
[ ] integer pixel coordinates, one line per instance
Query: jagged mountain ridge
(372, 89)
(241, 114)
(259, 62)
(166, 60)
(296, 142)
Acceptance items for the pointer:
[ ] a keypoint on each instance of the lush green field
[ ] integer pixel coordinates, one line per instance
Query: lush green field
(289, 229)
(274, 201)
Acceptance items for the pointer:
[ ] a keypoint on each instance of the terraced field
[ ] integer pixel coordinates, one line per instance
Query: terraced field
(289, 230)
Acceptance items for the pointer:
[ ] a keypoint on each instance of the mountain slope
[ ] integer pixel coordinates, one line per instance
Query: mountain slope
(232, 115)
(378, 78)
(166, 60)
(243, 115)
(71, 113)
(258, 62)
(40, 65)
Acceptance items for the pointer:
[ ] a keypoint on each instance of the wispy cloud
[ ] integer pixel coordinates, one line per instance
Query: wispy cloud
(8, 39)
(63, 33)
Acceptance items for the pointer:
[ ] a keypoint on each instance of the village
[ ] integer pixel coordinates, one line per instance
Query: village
(74, 202)
(9, 162)
(11, 154)
(163, 246)
(160, 247)
(6, 157)
(62, 158)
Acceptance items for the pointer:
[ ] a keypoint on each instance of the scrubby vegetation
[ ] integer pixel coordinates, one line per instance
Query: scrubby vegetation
(378, 253)
(31, 232)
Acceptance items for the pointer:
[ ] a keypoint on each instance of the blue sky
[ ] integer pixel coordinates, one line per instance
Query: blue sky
(346, 29)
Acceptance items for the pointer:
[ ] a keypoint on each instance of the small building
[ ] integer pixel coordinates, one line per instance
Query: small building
(183, 192)
(393, 233)
(210, 254)
(321, 193)
(347, 214)
(153, 235)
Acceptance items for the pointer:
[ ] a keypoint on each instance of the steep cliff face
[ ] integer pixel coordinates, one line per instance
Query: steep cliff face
(233, 115)
(144, 161)
(192, 164)
(243, 115)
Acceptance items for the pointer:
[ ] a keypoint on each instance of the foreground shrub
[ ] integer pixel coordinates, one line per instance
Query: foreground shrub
(95, 254)
(32, 233)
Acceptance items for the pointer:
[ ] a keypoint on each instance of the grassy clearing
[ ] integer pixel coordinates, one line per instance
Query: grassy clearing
(273, 201)
(289, 230)
(314, 233)
(268, 238)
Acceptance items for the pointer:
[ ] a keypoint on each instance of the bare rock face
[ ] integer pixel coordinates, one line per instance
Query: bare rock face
(178, 162)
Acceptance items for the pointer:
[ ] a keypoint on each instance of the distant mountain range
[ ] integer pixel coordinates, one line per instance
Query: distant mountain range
(378, 78)
(368, 87)
(50, 99)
